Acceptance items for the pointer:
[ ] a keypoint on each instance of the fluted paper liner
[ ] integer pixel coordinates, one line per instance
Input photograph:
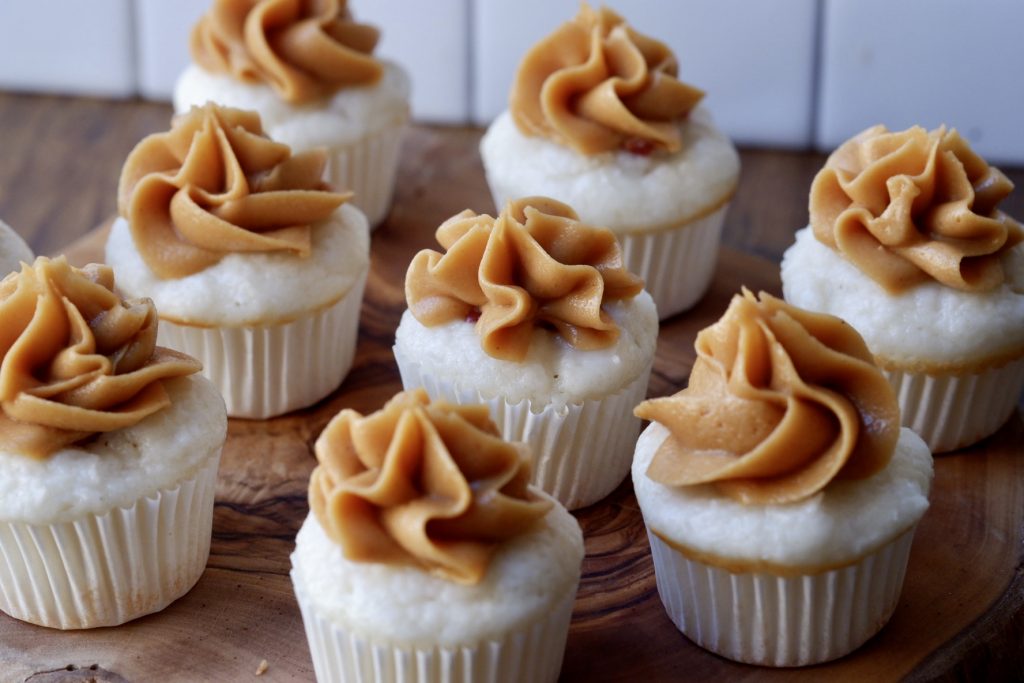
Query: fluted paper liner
(955, 411)
(579, 452)
(532, 652)
(263, 371)
(367, 167)
(106, 569)
(770, 620)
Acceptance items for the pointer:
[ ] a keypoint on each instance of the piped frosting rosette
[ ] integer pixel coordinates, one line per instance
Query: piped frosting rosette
(911, 206)
(596, 85)
(429, 484)
(77, 360)
(536, 265)
(215, 184)
(780, 472)
(303, 49)
(780, 402)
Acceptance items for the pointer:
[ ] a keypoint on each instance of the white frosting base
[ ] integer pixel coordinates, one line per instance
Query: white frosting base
(13, 250)
(840, 524)
(930, 323)
(117, 468)
(350, 114)
(251, 288)
(552, 372)
(617, 190)
(527, 575)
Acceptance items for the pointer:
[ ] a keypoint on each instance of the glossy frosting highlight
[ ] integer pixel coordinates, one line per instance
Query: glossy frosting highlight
(780, 402)
(534, 266)
(425, 483)
(906, 207)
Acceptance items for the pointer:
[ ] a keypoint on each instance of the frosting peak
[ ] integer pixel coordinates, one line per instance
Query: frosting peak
(304, 49)
(422, 483)
(596, 85)
(215, 184)
(780, 402)
(75, 359)
(914, 205)
(534, 265)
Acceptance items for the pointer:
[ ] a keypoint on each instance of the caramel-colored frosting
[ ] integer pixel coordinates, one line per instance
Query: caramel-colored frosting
(914, 206)
(430, 484)
(304, 49)
(780, 402)
(213, 185)
(534, 265)
(76, 359)
(596, 85)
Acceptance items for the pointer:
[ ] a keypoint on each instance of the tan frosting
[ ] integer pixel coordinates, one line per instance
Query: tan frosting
(780, 402)
(304, 49)
(534, 265)
(596, 85)
(421, 483)
(915, 205)
(76, 359)
(213, 185)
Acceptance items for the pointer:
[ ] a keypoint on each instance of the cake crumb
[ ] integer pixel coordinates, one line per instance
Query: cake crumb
(262, 668)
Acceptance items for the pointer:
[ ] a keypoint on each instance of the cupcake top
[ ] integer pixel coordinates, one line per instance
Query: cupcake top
(780, 402)
(76, 359)
(534, 266)
(303, 50)
(13, 249)
(596, 85)
(915, 206)
(422, 483)
(214, 185)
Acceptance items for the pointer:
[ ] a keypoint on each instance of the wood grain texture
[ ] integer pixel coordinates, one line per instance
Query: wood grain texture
(960, 614)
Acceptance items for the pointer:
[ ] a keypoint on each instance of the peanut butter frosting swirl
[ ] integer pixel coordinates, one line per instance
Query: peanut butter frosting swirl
(304, 49)
(780, 402)
(535, 265)
(430, 484)
(76, 359)
(914, 206)
(215, 184)
(596, 85)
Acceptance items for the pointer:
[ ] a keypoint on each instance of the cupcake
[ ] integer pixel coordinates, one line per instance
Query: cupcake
(598, 120)
(533, 314)
(109, 455)
(309, 70)
(779, 492)
(13, 250)
(255, 266)
(907, 244)
(426, 555)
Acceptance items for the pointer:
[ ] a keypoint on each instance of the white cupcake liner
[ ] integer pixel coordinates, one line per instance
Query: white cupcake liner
(951, 411)
(263, 371)
(678, 263)
(106, 569)
(532, 652)
(770, 620)
(368, 168)
(579, 452)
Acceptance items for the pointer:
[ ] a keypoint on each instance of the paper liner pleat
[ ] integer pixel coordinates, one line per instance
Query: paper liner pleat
(367, 167)
(104, 570)
(579, 452)
(532, 652)
(263, 371)
(954, 411)
(770, 620)
(678, 263)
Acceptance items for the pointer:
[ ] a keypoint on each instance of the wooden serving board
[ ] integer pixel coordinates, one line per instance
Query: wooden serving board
(961, 612)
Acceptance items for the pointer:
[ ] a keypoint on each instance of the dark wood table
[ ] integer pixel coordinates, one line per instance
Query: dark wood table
(962, 610)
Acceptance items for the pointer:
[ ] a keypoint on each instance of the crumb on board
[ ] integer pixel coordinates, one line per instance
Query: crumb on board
(262, 668)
